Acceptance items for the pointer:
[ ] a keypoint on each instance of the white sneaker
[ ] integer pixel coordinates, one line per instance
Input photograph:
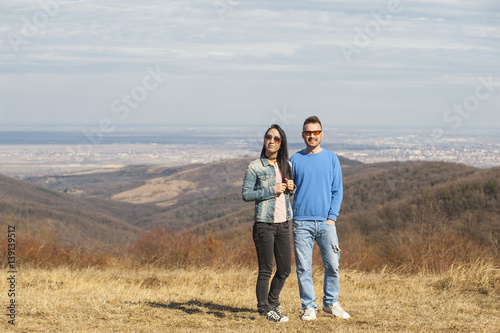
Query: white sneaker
(309, 314)
(336, 310)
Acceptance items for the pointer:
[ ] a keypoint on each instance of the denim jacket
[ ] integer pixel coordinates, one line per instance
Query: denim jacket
(258, 186)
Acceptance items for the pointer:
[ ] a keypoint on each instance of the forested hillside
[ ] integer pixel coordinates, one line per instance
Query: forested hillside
(400, 213)
(42, 212)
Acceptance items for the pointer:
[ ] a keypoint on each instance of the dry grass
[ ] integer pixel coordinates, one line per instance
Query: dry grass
(157, 190)
(118, 299)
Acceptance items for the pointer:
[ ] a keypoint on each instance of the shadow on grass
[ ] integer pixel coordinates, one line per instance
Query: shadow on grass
(217, 310)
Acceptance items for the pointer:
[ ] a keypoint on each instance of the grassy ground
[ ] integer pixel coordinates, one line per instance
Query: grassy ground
(466, 299)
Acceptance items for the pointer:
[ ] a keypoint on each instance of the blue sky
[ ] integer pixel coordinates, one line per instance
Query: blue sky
(246, 62)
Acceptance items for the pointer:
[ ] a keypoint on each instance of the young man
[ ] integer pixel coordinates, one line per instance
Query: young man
(318, 177)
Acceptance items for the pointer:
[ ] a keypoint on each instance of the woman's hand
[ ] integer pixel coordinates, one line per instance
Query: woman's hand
(279, 188)
(289, 184)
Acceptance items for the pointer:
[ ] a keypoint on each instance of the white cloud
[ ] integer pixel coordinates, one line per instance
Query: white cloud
(275, 52)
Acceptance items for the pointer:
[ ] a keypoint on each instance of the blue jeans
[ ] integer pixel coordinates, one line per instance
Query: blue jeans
(325, 235)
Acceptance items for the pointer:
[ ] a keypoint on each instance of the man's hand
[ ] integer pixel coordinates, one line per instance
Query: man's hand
(332, 222)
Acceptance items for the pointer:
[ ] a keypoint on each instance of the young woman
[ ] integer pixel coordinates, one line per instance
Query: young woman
(268, 181)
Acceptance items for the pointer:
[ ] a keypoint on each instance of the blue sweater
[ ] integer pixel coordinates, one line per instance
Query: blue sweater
(318, 178)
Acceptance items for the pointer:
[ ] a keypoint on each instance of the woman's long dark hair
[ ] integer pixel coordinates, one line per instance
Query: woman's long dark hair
(282, 159)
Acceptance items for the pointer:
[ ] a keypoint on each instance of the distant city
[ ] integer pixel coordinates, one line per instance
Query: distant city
(41, 152)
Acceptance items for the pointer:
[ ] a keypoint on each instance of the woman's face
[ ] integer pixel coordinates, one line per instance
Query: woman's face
(272, 145)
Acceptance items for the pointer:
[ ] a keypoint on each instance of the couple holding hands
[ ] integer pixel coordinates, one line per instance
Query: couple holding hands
(314, 177)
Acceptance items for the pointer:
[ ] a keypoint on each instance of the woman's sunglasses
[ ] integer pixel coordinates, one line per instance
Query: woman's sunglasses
(269, 137)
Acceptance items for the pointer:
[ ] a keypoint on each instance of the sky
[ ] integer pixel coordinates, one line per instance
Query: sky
(111, 64)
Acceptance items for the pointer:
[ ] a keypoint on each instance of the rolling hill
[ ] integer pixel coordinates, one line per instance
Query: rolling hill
(38, 211)
(115, 206)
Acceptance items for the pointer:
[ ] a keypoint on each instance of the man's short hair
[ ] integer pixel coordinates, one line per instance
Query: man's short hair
(312, 120)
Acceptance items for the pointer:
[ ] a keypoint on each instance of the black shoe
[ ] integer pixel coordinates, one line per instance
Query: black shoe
(274, 316)
(278, 309)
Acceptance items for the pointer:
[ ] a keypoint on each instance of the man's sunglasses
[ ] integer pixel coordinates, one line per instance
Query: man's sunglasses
(269, 137)
(308, 133)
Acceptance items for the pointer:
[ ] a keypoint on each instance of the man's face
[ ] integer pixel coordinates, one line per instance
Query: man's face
(312, 140)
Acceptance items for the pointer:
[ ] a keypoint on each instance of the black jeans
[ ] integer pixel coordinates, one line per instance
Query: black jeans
(271, 240)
